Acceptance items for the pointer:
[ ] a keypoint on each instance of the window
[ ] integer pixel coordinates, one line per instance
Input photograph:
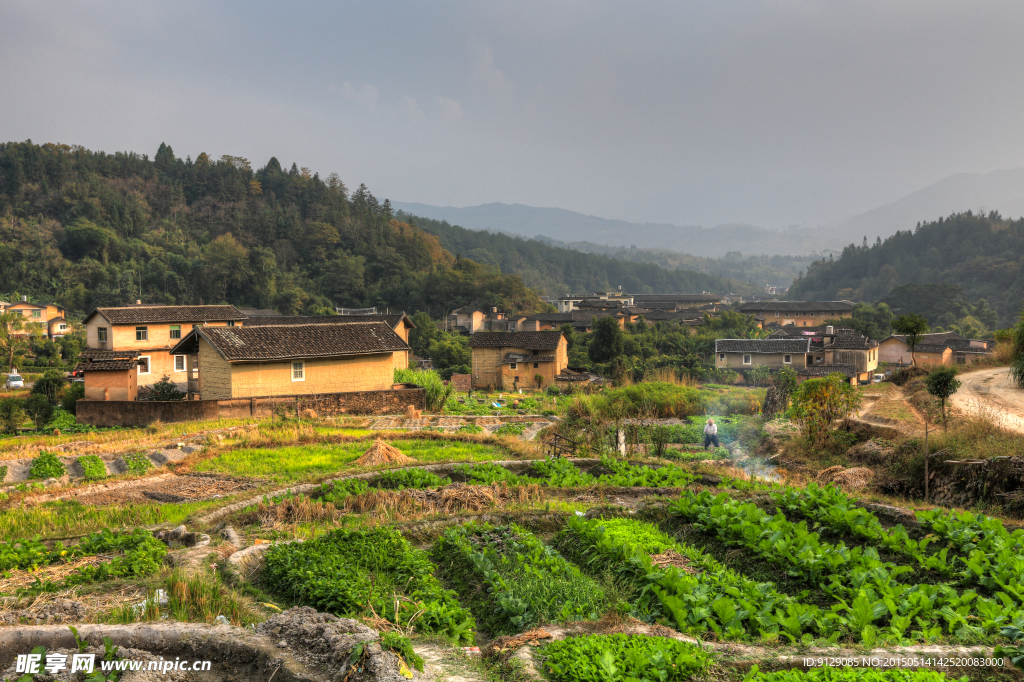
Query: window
(787, 359)
(721, 356)
(776, 313)
(142, 333)
(536, 365)
(818, 359)
(511, 326)
(101, 334)
(298, 371)
(179, 363)
(37, 313)
(62, 327)
(144, 365)
(175, 331)
(231, 323)
(512, 365)
(746, 359)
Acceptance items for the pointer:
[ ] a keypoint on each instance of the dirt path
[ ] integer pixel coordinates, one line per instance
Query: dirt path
(992, 391)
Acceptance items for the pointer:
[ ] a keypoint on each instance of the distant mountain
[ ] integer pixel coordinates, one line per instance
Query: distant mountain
(569, 226)
(1001, 190)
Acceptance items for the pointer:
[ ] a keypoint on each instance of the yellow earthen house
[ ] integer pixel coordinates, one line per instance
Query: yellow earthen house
(507, 360)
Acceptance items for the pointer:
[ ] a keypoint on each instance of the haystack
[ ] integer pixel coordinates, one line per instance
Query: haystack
(826, 476)
(381, 453)
(854, 479)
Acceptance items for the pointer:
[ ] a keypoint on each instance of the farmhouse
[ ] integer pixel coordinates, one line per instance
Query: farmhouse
(44, 318)
(290, 360)
(507, 360)
(937, 348)
(838, 347)
(799, 313)
(152, 330)
(109, 375)
(743, 354)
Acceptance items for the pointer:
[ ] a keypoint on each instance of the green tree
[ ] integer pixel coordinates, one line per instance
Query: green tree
(12, 414)
(817, 403)
(911, 326)
(69, 401)
(51, 385)
(424, 332)
(873, 321)
(942, 383)
(12, 346)
(40, 410)
(165, 390)
(451, 354)
(606, 340)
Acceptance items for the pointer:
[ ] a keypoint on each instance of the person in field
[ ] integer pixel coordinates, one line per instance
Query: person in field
(710, 434)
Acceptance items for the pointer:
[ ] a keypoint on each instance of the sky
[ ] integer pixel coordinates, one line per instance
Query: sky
(692, 113)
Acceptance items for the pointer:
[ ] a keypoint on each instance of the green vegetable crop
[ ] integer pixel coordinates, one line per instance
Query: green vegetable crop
(623, 658)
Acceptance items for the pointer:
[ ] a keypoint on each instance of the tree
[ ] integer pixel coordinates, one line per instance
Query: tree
(942, 383)
(424, 332)
(50, 385)
(1017, 358)
(12, 346)
(606, 342)
(12, 415)
(40, 410)
(165, 390)
(911, 326)
(759, 376)
(819, 402)
(450, 354)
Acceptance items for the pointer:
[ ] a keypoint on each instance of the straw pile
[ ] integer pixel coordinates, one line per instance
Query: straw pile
(670, 557)
(381, 453)
(451, 498)
(849, 479)
(826, 476)
(299, 509)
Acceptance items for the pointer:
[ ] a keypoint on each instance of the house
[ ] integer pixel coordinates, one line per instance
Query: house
(567, 304)
(465, 320)
(936, 348)
(109, 374)
(674, 302)
(37, 315)
(57, 327)
(798, 313)
(743, 354)
(290, 359)
(399, 322)
(834, 347)
(153, 330)
(505, 360)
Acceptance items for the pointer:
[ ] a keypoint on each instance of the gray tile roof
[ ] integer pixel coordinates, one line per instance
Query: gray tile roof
(262, 321)
(825, 370)
(797, 306)
(529, 340)
(762, 345)
(157, 314)
(288, 342)
(106, 360)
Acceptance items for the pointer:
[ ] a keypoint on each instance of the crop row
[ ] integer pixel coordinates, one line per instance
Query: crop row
(871, 602)
(367, 573)
(34, 554)
(618, 658)
(512, 580)
(686, 585)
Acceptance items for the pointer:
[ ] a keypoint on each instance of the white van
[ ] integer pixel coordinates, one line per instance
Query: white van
(13, 381)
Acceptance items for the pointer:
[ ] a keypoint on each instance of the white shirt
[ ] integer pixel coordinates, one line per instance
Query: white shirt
(710, 429)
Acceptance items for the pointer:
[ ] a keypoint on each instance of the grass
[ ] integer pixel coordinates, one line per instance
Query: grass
(64, 519)
(192, 598)
(309, 462)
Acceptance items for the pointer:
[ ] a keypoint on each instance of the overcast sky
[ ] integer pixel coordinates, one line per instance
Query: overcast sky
(771, 113)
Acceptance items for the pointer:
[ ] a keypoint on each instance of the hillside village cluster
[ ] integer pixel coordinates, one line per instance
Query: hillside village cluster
(223, 353)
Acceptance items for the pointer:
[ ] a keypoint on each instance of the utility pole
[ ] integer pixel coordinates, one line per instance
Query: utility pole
(926, 462)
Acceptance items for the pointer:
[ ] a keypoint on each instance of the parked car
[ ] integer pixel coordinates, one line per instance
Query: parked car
(13, 381)
(877, 378)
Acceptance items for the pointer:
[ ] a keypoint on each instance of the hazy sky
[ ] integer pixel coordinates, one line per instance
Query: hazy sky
(771, 113)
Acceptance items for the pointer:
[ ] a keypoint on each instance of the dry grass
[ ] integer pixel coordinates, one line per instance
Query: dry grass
(17, 580)
(457, 497)
(382, 454)
(292, 510)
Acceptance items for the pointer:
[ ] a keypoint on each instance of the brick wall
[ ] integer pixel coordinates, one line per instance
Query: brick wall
(214, 373)
(462, 382)
(141, 413)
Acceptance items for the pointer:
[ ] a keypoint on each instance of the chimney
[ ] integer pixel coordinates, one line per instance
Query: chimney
(494, 309)
(138, 302)
(24, 299)
(829, 330)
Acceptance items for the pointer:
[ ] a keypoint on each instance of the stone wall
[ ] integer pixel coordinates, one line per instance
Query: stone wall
(141, 413)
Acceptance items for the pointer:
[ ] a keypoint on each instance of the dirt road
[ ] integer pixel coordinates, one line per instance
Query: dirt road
(992, 391)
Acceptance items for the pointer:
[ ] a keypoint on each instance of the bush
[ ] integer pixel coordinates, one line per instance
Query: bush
(12, 414)
(137, 463)
(72, 395)
(39, 409)
(46, 465)
(437, 393)
(471, 428)
(655, 399)
(3, 473)
(62, 420)
(51, 385)
(93, 467)
(511, 429)
(165, 390)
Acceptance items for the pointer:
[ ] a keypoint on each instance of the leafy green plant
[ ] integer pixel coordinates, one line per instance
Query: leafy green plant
(339, 491)
(623, 658)
(409, 478)
(512, 429)
(3, 473)
(364, 573)
(46, 465)
(93, 467)
(403, 647)
(74, 393)
(471, 428)
(512, 580)
(137, 463)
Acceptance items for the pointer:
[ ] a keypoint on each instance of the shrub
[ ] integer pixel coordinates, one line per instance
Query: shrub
(12, 414)
(3, 473)
(72, 395)
(511, 429)
(471, 428)
(51, 385)
(63, 420)
(46, 465)
(93, 467)
(137, 463)
(39, 409)
(410, 478)
(437, 393)
(165, 390)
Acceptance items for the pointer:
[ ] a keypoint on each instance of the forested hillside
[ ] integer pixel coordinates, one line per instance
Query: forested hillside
(86, 228)
(560, 271)
(981, 256)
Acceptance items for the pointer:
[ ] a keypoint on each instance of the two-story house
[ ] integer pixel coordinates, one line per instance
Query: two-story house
(798, 313)
(153, 330)
(505, 360)
(38, 317)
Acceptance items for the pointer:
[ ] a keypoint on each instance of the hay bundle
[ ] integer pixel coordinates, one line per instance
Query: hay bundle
(449, 499)
(299, 509)
(412, 413)
(670, 557)
(826, 476)
(381, 453)
(854, 479)
(308, 414)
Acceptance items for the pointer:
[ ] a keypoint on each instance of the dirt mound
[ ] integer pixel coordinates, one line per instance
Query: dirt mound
(874, 451)
(57, 611)
(447, 500)
(324, 641)
(381, 453)
(850, 479)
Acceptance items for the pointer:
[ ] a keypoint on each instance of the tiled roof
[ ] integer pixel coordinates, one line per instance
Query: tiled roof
(157, 314)
(287, 342)
(259, 312)
(762, 345)
(851, 342)
(530, 340)
(930, 348)
(681, 298)
(263, 321)
(106, 360)
(797, 306)
(520, 357)
(825, 370)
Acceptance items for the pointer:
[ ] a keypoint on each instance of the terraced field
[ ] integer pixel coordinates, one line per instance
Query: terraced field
(589, 570)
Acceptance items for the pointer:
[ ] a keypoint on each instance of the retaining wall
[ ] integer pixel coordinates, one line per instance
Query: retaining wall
(142, 413)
